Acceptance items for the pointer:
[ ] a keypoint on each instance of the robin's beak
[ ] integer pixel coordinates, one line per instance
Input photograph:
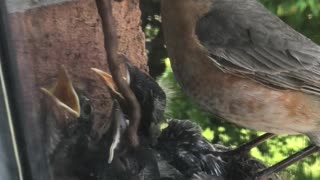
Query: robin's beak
(107, 79)
(63, 95)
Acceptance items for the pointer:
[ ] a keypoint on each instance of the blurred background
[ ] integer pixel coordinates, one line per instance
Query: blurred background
(302, 15)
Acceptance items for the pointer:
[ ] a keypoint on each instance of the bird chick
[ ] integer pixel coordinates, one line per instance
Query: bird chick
(124, 162)
(66, 126)
(183, 146)
(243, 64)
(150, 96)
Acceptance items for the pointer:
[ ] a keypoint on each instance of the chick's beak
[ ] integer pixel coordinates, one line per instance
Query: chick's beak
(107, 79)
(63, 94)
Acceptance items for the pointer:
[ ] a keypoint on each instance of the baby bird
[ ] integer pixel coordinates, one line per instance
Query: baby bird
(66, 118)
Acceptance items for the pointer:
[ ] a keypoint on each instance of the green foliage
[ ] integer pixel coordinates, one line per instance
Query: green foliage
(302, 15)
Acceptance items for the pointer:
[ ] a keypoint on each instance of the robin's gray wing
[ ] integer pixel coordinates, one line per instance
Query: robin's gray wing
(242, 37)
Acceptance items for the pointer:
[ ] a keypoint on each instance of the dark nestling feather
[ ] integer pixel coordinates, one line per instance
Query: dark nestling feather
(204, 176)
(183, 146)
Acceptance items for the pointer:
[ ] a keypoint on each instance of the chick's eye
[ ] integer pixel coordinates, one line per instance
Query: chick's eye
(86, 110)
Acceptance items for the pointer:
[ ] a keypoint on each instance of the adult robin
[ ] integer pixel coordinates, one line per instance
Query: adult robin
(246, 66)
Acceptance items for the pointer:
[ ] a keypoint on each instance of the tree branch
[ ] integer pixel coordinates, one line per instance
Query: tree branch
(111, 46)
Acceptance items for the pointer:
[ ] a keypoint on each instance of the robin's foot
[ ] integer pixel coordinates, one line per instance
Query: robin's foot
(287, 162)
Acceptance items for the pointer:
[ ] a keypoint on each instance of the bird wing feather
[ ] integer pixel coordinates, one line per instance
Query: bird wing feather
(260, 46)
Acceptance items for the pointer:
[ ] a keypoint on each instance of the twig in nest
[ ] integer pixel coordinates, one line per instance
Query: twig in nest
(111, 46)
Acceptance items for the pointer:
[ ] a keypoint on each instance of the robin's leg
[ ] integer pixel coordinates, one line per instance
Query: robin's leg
(245, 148)
(287, 162)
